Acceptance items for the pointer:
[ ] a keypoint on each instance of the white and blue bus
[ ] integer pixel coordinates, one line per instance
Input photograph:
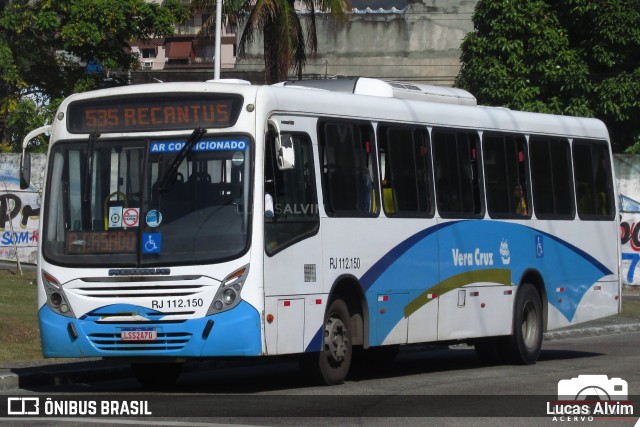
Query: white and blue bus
(317, 218)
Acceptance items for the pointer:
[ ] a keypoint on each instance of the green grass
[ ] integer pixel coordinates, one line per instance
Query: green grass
(630, 309)
(19, 332)
(20, 335)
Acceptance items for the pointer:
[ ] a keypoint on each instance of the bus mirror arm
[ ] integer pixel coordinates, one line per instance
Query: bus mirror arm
(25, 158)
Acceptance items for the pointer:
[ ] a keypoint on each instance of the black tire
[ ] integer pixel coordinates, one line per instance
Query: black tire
(331, 365)
(157, 374)
(526, 342)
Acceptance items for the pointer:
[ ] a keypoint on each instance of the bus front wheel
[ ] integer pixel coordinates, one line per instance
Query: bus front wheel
(526, 341)
(331, 364)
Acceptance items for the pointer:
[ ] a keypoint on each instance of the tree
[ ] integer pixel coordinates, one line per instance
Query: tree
(575, 57)
(46, 45)
(286, 46)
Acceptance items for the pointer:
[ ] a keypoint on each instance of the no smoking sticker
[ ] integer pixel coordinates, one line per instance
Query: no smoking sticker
(130, 217)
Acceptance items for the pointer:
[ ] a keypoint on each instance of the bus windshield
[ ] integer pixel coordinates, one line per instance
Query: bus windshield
(110, 202)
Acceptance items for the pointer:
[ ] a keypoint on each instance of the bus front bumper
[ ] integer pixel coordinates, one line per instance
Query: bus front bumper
(236, 332)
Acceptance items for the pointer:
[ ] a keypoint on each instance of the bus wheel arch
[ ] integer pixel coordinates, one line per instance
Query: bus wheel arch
(342, 328)
(348, 289)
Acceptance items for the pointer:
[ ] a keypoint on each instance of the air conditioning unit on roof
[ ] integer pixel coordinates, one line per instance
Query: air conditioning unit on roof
(389, 89)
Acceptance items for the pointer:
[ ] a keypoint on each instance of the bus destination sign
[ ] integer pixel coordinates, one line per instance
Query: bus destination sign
(151, 112)
(101, 242)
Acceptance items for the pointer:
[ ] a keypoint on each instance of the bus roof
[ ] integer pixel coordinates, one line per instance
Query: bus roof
(430, 113)
(438, 106)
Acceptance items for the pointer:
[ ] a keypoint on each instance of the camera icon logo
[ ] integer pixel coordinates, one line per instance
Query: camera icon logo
(593, 388)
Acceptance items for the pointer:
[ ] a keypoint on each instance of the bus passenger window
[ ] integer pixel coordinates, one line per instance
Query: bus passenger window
(551, 178)
(505, 173)
(458, 190)
(594, 183)
(405, 170)
(348, 164)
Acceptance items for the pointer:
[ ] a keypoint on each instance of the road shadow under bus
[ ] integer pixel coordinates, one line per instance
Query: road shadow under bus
(264, 375)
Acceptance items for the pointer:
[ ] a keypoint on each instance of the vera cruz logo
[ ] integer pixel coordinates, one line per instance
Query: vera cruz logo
(587, 397)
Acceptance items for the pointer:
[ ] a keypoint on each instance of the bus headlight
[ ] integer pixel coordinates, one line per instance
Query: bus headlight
(56, 299)
(228, 295)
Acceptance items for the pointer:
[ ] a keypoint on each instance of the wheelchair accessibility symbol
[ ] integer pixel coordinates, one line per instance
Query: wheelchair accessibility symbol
(539, 246)
(151, 243)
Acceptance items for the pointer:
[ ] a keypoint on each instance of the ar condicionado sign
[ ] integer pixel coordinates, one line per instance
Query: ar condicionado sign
(153, 112)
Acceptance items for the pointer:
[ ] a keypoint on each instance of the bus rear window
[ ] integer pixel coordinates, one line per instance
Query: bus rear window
(594, 183)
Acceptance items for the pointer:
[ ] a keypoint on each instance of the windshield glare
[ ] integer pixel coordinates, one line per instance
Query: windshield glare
(121, 216)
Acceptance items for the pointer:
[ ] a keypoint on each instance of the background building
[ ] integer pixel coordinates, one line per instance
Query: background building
(410, 40)
(185, 56)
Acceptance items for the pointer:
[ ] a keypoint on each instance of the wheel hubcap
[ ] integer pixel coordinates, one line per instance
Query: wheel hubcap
(529, 325)
(335, 339)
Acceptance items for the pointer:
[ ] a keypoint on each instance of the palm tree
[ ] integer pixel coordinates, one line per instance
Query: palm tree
(286, 46)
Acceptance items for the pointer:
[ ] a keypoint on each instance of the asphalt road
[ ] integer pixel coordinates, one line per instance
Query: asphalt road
(422, 387)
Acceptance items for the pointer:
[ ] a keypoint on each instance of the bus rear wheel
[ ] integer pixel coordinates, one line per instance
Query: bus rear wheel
(157, 374)
(331, 365)
(526, 342)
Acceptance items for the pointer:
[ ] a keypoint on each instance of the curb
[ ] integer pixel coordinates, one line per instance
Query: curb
(577, 332)
(9, 381)
(88, 372)
(59, 374)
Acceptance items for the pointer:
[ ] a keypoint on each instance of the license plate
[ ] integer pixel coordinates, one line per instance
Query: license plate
(138, 334)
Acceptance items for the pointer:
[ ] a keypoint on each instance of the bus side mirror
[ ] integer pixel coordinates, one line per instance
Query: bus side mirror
(25, 158)
(25, 170)
(285, 153)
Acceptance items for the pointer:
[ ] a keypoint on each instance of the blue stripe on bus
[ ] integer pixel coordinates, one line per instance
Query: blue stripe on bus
(316, 342)
(428, 257)
(371, 275)
(605, 271)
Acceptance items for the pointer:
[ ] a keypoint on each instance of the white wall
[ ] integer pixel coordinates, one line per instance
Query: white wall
(19, 209)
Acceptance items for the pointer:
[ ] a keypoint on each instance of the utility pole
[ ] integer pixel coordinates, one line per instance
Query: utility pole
(216, 58)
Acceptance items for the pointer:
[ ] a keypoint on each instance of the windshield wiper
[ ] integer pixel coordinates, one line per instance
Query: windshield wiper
(170, 175)
(86, 195)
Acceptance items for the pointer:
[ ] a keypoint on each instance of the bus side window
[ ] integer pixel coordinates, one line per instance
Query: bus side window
(505, 173)
(594, 184)
(293, 214)
(551, 178)
(349, 168)
(458, 190)
(405, 170)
